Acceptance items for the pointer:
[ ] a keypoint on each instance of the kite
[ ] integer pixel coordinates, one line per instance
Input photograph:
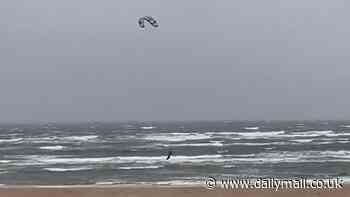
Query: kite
(149, 19)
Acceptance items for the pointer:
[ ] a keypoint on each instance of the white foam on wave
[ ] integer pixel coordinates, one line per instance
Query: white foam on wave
(343, 141)
(49, 160)
(219, 133)
(211, 143)
(174, 159)
(262, 159)
(275, 134)
(35, 140)
(255, 135)
(148, 128)
(177, 137)
(345, 126)
(139, 167)
(251, 128)
(10, 140)
(77, 160)
(274, 157)
(310, 134)
(52, 147)
(80, 138)
(331, 141)
(337, 134)
(346, 179)
(157, 161)
(61, 139)
(123, 137)
(107, 182)
(294, 157)
(302, 140)
(182, 183)
(336, 154)
(179, 183)
(323, 143)
(197, 159)
(67, 169)
(258, 143)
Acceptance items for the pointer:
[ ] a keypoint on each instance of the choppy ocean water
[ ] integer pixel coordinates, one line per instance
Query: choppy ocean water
(135, 152)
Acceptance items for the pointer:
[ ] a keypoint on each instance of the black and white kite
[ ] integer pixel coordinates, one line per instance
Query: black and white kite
(149, 19)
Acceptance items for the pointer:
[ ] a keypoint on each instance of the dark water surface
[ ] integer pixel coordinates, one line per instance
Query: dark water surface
(136, 152)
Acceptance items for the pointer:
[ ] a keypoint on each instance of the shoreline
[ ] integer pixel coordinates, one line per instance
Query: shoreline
(161, 191)
(101, 186)
(146, 185)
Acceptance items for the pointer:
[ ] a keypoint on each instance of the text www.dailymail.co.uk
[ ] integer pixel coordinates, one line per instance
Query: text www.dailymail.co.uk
(273, 183)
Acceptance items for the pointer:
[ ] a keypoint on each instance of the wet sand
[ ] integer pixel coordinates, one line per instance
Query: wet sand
(135, 191)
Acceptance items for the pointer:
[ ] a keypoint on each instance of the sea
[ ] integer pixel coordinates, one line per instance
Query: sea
(113, 153)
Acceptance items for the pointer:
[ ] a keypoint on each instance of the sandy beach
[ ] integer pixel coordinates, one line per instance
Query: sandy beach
(136, 191)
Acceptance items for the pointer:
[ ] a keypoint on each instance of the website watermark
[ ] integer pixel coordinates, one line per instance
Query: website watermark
(276, 184)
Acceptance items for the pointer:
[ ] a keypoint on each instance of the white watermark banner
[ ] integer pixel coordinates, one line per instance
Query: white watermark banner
(273, 183)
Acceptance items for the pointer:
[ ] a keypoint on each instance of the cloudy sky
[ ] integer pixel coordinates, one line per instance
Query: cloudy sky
(81, 60)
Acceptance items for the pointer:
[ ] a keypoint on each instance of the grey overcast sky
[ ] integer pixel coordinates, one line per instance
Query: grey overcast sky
(82, 60)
